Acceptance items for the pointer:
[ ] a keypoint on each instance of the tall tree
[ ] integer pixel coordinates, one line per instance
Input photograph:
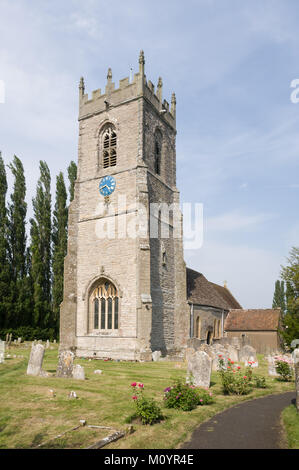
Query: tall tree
(72, 175)
(290, 274)
(41, 248)
(59, 245)
(5, 272)
(279, 297)
(17, 243)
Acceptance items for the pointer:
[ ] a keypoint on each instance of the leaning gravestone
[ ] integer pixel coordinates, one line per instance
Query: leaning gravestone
(78, 372)
(247, 353)
(233, 353)
(199, 369)
(271, 366)
(2, 351)
(65, 364)
(36, 360)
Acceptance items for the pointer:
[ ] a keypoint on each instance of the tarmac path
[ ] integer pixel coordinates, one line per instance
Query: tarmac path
(254, 424)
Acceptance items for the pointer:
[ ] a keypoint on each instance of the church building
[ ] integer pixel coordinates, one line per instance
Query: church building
(125, 290)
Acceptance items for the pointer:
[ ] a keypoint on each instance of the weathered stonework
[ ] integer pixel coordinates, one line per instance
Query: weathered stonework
(152, 305)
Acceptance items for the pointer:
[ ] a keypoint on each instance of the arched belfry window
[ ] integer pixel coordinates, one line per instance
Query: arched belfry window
(104, 306)
(158, 152)
(109, 141)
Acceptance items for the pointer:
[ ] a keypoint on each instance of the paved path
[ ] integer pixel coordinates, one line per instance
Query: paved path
(251, 425)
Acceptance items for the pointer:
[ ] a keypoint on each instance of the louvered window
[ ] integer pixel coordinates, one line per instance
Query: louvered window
(109, 148)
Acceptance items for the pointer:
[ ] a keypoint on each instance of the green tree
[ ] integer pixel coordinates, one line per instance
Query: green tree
(17, 246)
(72, 175)
(279, 297)
(59, 238)
(41, 248)
(5, 271)
(290, 274)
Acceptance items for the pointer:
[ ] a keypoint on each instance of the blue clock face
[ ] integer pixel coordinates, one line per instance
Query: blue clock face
(107, 185)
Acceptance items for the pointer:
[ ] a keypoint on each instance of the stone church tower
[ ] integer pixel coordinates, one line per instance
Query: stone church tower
(125, 289)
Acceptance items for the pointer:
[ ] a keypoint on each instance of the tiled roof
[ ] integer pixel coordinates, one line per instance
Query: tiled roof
(263, 319)
(202, 292)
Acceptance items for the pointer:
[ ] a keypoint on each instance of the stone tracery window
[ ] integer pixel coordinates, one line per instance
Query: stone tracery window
(104, 306)
(109, 141)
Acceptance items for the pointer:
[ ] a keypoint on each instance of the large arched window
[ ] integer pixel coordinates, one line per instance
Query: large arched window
(104, 306)
(109, 140)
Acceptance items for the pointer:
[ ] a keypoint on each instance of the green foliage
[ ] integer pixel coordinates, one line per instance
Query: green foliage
(29, 333)
(185, 396)
(290, 274)
(59, 237)
(233, 379)
(41, 248)
(284, 369)
(279, 297)
(291, 423)
(259, 381)
(146, 408)
(5, 269)
(72, 175)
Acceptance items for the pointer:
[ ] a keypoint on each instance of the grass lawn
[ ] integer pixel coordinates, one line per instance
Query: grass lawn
(290, 418)
(29, 415)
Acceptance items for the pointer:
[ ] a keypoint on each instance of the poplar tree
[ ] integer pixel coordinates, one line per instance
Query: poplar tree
(41, 248)
(59, 237)
(279, 297)
(72, 175)
(5, 273)
(17, 244)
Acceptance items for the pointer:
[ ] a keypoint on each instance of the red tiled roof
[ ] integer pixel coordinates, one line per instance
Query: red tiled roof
(263, 319)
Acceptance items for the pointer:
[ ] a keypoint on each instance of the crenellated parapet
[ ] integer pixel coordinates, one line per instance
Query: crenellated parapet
(138, 87)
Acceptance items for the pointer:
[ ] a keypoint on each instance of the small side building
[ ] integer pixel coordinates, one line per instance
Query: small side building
(259, 326)
(209, 306)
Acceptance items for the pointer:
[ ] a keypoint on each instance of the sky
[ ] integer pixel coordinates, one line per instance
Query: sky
(230, 63)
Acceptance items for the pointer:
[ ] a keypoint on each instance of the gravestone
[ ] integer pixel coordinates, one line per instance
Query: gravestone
(47, 344)
(156, 355)
(54, 341)
(233, 353)
(36, 360)
(2, 351)
(98, 371)
(78, 372)
(295, 355)
(199, 369)
(65, 364)
(19, 340)
(247, 352)
(271, 367)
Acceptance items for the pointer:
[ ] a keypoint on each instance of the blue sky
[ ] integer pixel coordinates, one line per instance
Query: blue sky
(230, 63)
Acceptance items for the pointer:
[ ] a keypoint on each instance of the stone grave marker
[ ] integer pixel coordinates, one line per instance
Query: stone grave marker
(65, 364)
(199, 369)
(36, 360)
(78, 372)
(156, 355)
(2, 351)
(247, 353)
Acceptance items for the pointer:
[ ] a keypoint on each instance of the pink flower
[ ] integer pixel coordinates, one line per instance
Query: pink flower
(232, 362)
(133, 384)
(238, 367)
(220, 355)
(134, 397)
(245, 377)
(201, 400)
(140, 385)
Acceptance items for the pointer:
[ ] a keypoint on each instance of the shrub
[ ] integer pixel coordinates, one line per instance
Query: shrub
(259, 381)
(29, 333)
(233, 380)
(283, 368)
(185, 396)
(146, 408)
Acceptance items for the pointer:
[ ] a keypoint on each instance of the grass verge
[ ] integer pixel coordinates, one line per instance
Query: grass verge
(290, 418)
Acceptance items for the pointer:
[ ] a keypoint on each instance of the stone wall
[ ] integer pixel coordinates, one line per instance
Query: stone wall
(265, 342)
